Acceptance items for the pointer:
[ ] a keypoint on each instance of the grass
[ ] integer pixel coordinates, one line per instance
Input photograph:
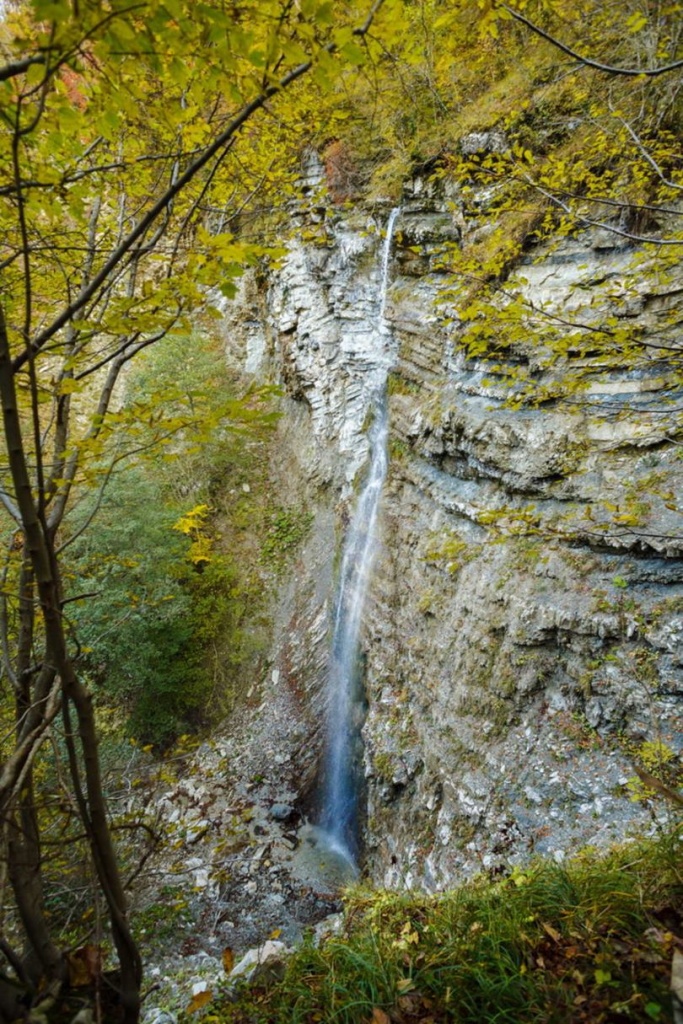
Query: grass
(590, 941)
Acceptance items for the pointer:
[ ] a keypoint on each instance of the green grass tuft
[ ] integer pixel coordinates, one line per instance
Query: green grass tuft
(588, 941)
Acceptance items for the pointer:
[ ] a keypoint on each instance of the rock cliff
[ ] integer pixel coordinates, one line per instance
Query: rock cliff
(522, 646)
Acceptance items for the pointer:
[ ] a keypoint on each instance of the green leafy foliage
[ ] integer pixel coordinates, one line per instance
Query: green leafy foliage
(137, 636)
(166, 625)
(285, 529)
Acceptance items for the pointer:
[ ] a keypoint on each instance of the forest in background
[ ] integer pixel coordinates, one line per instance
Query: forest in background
(150, 153)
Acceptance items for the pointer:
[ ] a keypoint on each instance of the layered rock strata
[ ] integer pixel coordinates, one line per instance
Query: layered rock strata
(523, 640)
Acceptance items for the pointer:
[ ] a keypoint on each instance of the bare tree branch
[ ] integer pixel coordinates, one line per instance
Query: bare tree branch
(612, 228)
(608, 69)
(18, 67)
(648, 156)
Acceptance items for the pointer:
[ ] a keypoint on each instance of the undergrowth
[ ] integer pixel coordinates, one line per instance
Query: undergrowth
(589, 941)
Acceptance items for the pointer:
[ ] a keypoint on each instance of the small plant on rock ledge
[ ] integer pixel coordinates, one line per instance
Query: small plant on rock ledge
(286, 529)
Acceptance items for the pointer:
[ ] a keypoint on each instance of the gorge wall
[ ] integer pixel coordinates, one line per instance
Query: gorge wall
(522, 640)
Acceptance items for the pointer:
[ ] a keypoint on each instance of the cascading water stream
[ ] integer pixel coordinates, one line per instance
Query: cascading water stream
(343, 756)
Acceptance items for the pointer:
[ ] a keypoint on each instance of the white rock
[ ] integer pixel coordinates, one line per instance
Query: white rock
(270, 950)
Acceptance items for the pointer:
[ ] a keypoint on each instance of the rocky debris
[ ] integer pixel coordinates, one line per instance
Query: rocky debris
(158, 1016)
(190, 984)
(236, 874)
(283, 813)
(492, 141)
(328, 928)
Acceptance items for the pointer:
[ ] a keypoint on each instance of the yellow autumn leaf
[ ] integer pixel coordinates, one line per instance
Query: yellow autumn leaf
(636, 22)
(199, 1001)
(69, 386)
(405, 985)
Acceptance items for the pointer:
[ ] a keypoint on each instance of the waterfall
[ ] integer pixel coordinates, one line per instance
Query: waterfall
(343, 755)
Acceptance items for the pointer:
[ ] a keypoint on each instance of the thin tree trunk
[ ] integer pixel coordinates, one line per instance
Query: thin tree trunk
(42, 958)
(90, 798)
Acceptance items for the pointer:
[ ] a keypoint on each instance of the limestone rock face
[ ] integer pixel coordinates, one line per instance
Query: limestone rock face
(315, 328)
(522, 640)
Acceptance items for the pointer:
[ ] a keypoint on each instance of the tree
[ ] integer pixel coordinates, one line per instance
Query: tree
(119, 128)
(171, 612)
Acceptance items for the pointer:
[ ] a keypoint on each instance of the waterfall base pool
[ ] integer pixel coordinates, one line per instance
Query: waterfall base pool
(322, 860)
